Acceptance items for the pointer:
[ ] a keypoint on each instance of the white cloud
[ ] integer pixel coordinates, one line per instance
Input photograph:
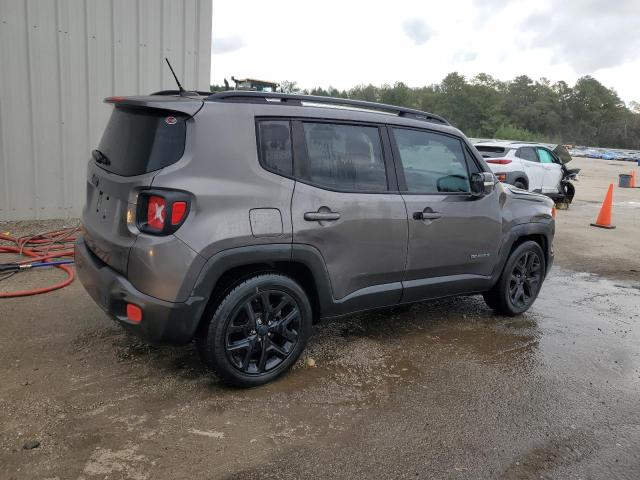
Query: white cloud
(417, 30)
(227, 44)
(343, 44)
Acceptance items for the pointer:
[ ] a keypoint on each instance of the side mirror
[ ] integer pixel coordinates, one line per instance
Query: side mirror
(482, 184)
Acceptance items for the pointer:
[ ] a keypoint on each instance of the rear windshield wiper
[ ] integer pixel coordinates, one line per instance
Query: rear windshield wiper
(100, 157)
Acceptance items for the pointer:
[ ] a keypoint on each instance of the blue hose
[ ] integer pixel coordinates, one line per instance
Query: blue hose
(47, 264)
(16, 267)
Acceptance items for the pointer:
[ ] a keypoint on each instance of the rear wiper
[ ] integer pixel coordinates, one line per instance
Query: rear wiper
(100, 157)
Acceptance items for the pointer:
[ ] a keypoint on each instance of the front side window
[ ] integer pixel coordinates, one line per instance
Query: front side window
(545, 155)
(432, 163)
(527, 153)
(344, 157)
(274, 140)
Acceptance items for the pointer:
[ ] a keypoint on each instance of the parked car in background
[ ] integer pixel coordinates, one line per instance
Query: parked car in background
(535, 167)
(237, 219)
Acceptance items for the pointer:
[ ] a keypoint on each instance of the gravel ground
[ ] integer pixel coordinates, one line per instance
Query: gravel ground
(443, 390)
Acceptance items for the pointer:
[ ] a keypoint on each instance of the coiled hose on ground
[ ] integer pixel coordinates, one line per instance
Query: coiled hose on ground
(54, 248)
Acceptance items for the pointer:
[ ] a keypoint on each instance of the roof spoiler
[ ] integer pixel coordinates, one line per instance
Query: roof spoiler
(177, 92)
(186, 105)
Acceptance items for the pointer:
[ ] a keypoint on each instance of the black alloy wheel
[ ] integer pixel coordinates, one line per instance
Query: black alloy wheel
(520, 281)
(262, 332)
(525, 280)
(258, 330)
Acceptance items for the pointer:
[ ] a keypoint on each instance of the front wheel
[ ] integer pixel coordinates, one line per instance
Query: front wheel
(520, 282)
(258, 331)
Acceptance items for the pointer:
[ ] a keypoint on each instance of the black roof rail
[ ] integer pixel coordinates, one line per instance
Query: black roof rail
(295, 99)
(177, 92)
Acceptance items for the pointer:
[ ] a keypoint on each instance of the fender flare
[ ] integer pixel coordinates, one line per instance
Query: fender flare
(523, 230)
(270, 254)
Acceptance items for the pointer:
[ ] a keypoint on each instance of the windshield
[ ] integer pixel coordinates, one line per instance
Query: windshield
(138, 141)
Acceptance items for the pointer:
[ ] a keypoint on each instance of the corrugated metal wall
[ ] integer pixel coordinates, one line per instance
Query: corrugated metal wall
(58, 60)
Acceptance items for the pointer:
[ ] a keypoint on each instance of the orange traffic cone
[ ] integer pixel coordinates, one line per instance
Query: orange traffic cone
(604, 217)
(632, 183)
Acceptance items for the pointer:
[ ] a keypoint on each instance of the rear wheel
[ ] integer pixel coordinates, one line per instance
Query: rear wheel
(520, 184)
(520, 282)
(258, 331)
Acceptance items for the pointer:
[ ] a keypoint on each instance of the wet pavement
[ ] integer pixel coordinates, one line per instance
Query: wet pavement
(442, 390)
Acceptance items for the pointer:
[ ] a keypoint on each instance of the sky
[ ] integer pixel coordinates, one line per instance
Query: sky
(346, 43)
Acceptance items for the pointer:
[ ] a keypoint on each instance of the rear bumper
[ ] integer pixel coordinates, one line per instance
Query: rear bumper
(162, 322)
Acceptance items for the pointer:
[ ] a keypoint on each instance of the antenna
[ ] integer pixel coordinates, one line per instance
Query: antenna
(182, 90)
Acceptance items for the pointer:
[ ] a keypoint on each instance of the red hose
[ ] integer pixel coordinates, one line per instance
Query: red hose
(41, 247)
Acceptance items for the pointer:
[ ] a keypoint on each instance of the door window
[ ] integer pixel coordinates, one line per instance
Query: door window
(344, 157)
(274, 140)
(545, 155)
(432, 163)
(527, 153)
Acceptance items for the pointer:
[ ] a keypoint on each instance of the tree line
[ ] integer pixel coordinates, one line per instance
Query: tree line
(521, 109)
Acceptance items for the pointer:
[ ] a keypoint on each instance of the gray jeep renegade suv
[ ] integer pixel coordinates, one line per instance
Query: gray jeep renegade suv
(238, 219)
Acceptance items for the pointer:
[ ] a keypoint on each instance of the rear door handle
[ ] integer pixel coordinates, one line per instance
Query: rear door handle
(426, 215)
(321, 216)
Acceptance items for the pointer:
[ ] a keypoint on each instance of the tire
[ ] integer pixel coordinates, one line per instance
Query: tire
(520, 184)
(258, 331)
(520, 281)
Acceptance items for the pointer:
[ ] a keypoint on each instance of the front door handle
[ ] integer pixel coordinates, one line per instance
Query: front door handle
(426, 215)
(321, 216)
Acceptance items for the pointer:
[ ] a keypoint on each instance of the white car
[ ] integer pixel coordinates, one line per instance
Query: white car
(535, 167)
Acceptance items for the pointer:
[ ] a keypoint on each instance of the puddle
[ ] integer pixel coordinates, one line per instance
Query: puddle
(419, 388)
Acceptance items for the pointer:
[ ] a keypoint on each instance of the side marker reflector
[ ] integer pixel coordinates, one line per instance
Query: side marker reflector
(134, 313)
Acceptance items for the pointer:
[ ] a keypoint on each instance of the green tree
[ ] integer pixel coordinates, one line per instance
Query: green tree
(521, 109)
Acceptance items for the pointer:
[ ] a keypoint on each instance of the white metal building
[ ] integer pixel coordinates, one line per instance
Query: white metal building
(58, 60)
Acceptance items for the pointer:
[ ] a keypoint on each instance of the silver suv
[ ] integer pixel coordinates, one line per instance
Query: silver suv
(240, 218)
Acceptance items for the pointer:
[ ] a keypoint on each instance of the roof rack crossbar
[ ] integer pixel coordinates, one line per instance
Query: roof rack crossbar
(295, 99)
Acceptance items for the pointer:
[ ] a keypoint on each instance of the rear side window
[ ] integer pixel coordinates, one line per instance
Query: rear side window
(138, 141)
(274, 143)
(527, 153)
(432, 163)
(344, 157)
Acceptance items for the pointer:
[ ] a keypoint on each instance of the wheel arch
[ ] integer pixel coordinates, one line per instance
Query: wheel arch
(541, 233)
(226, 269)
(521, 176)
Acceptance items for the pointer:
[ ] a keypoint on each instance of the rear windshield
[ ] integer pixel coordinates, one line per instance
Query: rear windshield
(139, 141)
(490, 152)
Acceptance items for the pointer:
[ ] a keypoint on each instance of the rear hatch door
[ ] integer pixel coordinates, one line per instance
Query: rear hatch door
(143, 135)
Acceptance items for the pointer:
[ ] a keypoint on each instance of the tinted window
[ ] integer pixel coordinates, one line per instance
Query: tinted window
(274, 137)
(545, 155)
(344, 157)
(472, 164)
(491, 152)
(432, 163)
(141, 141)
(527, 153)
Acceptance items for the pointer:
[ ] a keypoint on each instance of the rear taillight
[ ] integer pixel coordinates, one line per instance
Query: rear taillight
(178, 212)
(498, 161)
(162, 212)
(156, 212)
